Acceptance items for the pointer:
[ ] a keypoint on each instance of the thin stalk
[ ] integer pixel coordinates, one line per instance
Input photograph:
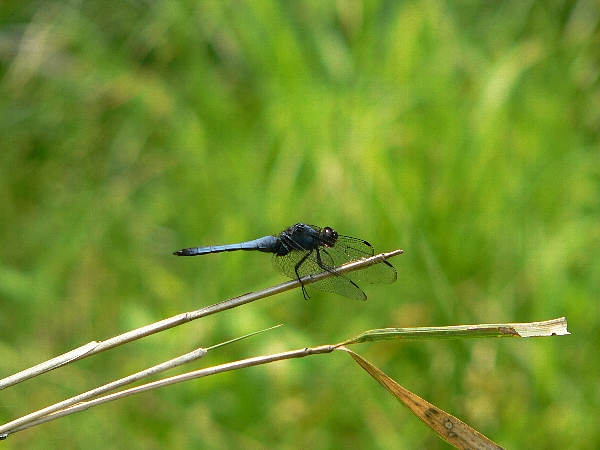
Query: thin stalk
(94, 347)
(162, 367)
(82, 406)
(555, 327)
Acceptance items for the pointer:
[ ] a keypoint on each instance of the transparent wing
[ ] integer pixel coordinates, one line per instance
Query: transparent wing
(348, 248)
(338, 284)
(286, 264)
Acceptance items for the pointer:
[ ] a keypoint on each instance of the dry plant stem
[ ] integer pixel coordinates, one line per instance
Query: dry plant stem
(174, 362)
(82, 406)
(97, 347)
(183, 359)
(554, 327)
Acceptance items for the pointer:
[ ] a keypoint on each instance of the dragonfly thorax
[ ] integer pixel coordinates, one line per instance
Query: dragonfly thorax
(304, 237)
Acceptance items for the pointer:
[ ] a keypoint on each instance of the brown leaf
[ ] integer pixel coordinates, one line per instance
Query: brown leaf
(448, 427)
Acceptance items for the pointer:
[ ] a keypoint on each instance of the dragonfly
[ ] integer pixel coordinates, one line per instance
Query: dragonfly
(302, 250)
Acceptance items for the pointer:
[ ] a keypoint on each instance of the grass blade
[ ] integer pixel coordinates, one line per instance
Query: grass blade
(448, 427)
(554, 327)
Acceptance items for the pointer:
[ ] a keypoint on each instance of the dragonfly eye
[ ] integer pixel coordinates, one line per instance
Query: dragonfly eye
(329, 236)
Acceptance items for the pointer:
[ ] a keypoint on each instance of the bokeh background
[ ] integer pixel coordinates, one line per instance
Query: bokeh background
(465, 133)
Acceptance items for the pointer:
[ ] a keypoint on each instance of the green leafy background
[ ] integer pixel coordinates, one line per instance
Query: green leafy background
(465, 133)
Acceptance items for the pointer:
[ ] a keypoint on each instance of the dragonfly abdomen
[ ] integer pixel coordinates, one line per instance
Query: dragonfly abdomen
(265, 244)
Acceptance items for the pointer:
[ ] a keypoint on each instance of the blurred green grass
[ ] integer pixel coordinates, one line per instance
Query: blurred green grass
(465, 133)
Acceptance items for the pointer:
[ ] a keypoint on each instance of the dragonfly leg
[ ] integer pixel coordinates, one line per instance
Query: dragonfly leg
(296, 267)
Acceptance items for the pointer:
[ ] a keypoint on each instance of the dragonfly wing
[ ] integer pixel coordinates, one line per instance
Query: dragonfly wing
(286, 264)
(337, 284)
(349, 249)
(354, 248)
(380, 273)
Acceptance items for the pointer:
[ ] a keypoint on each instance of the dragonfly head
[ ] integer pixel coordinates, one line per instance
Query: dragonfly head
(329, 236)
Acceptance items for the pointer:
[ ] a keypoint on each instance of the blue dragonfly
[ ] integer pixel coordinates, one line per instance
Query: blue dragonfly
(302, 250)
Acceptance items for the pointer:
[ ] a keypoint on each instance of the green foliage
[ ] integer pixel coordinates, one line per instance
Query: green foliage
(465, 133)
